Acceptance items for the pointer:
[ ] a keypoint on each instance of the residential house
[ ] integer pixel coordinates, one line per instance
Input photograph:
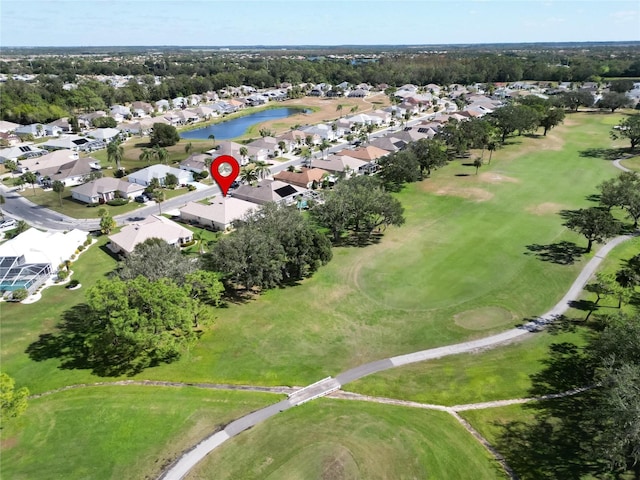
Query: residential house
(340, 165)
(268, 191)
(367, 154)
(322, 130)
(219, 214)
(226, 147)
(30, 259)
(141, 109)
(63, 165)
(75, 143)
(298, 138)
(105, 134)
(36, 130)
(196, 162)
(6, 126)
(145, 175)
(358, 93)
(9, 139)
(155, 226)
(270, 144)
(105, 189)
(305, 178)
(163, 105)
(389, 143)
(62, 124)
(20, 151)
(120, 112)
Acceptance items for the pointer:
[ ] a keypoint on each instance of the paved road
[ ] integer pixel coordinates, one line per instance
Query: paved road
(326, 386)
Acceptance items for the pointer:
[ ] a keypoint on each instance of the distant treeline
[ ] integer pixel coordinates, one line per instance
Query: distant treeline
(198, 72)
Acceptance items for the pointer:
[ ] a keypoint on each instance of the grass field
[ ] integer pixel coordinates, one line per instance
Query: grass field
(632, 163)
(115, 432)
(497, 374)
(478, 254)
(454, 255)
(333, 439)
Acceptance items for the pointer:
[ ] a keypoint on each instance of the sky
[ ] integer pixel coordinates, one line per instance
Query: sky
(311, 22)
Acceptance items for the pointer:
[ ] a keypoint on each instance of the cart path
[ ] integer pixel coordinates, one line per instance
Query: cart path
(181, 467)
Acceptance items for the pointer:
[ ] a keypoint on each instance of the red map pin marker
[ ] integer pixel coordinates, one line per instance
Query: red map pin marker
(224, 170)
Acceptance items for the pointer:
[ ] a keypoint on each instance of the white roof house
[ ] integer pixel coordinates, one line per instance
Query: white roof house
(154, 226)
(219, 214)
(29, 259)
(104, 189)
(144, 176)
(37, 246)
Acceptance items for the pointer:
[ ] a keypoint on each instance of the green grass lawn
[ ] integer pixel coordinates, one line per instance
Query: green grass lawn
(115, 432)
(497, 374)
(76, 209)
(456, 256)
(72, 207)
(632, 163)
(334, 439)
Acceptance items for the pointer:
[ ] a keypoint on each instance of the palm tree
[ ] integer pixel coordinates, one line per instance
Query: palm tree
(162, 154)
(188, 148)
(146, 155)
(2, 202)
(306, 157)
(477, 163)
(159, 197)
(491, 146)
(354, 109)
(30, 177)
(248, 174)
(325, 145)
(212, 137)
(282, 146)
(244, 151)
(199, 237)
(21, 226)
(115, 152)
(339, 109)
(262, 170)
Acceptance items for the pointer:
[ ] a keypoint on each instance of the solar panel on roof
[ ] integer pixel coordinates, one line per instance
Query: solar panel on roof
(285, 191)
(25, 149)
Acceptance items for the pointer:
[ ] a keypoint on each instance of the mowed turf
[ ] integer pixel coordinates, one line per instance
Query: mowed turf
(338, 439)
(456, 254)
(497, 374)
(116, 433)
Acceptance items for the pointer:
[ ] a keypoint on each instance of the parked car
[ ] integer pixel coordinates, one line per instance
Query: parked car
(142, 199)
(7, 224)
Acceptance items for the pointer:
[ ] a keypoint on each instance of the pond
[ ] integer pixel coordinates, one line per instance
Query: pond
(238, 126)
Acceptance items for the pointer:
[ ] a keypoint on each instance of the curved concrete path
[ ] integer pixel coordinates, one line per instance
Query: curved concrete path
(179, 469)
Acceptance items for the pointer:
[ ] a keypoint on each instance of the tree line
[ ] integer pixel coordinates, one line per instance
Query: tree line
(182, 75)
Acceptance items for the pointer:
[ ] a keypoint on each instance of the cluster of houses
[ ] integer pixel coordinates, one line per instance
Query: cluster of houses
(28, 261)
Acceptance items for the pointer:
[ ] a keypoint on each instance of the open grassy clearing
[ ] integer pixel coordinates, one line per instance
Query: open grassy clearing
(632, 163)
(333, 439)
(497, 374)
(453, 256)
(115, 432)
